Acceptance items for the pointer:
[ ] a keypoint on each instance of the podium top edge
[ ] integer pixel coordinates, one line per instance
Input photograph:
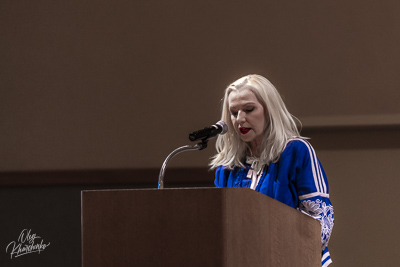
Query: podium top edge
(151, 189)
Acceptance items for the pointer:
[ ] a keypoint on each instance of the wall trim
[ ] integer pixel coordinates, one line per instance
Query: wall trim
(370, 121)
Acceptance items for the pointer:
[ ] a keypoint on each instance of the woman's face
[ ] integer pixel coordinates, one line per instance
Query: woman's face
(247, 116)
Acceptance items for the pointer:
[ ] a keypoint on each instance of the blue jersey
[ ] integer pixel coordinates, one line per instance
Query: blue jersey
(296, 179)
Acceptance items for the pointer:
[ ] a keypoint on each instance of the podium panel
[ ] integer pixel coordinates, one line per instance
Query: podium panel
(195, 227)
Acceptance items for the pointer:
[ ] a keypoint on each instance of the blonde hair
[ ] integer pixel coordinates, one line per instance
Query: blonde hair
(231, 150)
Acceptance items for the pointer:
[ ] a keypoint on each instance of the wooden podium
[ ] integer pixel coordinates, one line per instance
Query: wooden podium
(195, 227)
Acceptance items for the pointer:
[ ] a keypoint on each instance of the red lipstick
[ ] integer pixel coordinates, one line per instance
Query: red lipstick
(244, 130)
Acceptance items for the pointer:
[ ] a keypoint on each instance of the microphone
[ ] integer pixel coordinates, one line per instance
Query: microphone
(209, 132)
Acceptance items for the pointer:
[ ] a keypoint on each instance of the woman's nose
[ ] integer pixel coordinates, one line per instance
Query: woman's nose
(241, 117)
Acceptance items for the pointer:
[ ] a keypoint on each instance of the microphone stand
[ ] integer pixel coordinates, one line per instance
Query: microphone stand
(199, 146)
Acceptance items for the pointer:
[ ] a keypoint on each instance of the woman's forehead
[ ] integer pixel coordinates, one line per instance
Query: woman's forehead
(242, 96)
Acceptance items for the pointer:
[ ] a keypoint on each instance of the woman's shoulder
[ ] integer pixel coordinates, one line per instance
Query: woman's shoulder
(298, 151)
(297, 144)
(227, 169)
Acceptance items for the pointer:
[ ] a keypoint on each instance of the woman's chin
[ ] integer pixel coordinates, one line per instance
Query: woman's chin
(246, 137)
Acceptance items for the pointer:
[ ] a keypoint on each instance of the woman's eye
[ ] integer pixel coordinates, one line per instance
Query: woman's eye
(249, 110)
(234, 113)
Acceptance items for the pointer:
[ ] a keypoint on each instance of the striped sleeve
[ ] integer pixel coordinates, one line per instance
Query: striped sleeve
(312, 178)
(313, 193)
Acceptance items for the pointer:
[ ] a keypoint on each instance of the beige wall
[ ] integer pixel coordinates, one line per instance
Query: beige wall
(101, 84)
(120, 84)
(363, 188)
(362, 167)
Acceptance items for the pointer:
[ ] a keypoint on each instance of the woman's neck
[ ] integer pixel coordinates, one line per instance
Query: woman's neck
(254, 153)
(255, 147)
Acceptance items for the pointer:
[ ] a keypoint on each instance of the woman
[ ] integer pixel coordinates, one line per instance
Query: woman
(263, 150)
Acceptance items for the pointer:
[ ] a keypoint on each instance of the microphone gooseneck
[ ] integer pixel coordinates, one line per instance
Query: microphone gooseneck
(219, 128)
